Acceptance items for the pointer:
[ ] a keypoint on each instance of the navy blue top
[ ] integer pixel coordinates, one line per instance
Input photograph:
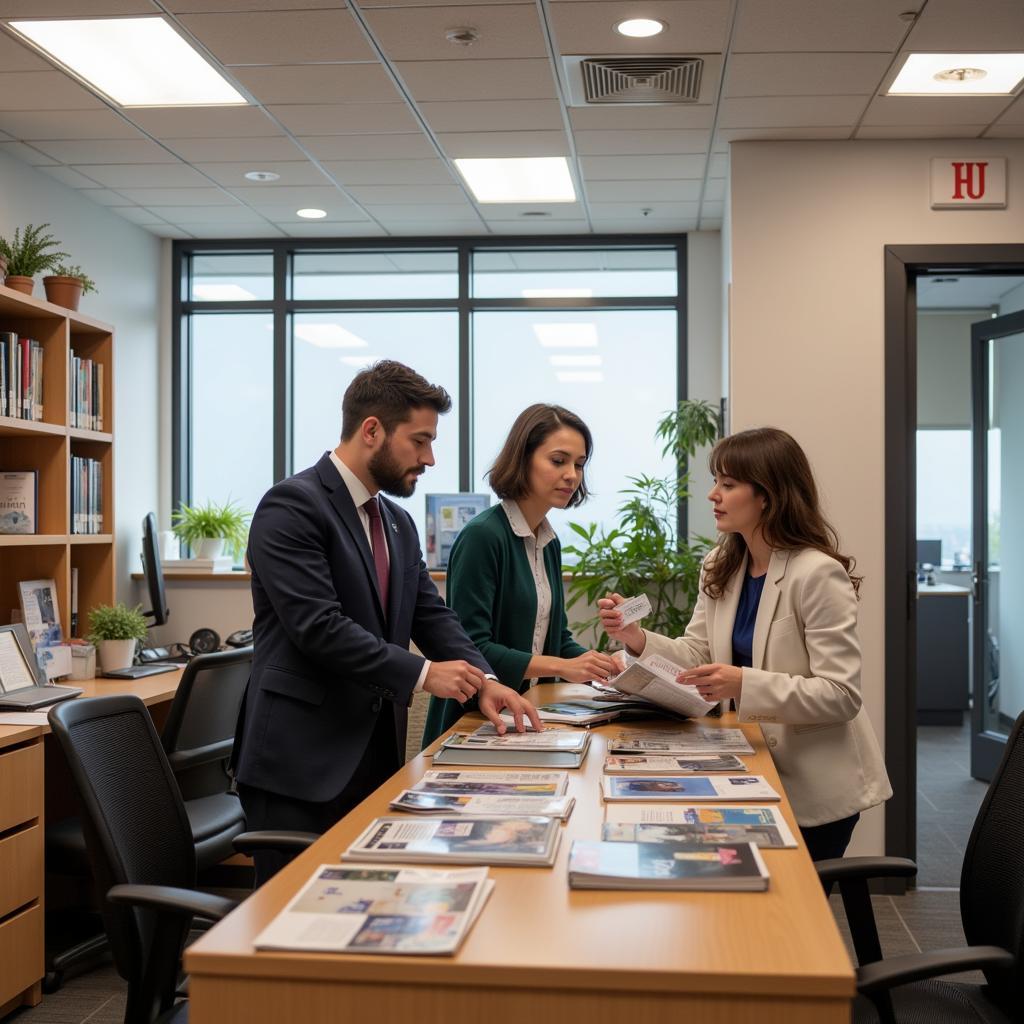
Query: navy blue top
(743, 628)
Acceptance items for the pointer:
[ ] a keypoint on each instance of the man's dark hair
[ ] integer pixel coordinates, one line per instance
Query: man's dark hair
(390, 391)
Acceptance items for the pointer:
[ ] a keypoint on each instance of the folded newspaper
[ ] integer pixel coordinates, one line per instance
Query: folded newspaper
(377, 908)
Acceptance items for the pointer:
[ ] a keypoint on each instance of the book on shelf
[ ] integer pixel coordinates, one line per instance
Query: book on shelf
(223, 563)
(654, 679)
(484, 804)
(86, 391)
(21, 377)
(86, 495)
(19, 501)
(561, 748)
(74, 601)
(690, 738)
(697, 823)
(725, 867)
(520, 841)
(493, 783)
(380, 909)
(679, 764)
(749, 788)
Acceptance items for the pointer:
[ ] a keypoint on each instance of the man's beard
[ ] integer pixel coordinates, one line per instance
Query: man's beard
(389, 475)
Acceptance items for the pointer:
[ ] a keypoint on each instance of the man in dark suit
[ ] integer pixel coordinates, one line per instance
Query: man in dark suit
(339, 588)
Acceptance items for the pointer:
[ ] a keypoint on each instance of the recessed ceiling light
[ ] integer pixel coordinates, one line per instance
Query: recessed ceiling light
(311, 214)
(544, 179)
(262, 176)
(959, 74)
(137, 62)
(640, 28)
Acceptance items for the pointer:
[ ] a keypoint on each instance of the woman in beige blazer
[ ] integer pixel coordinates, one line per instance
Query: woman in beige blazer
(775, 629)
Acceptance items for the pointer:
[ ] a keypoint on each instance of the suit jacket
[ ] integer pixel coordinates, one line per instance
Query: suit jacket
(804, 684)
(328, 661)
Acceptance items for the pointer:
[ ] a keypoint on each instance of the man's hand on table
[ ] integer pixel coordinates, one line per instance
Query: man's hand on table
(495, 697)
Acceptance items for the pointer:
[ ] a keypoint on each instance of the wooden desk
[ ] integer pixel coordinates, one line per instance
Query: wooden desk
(541, 952)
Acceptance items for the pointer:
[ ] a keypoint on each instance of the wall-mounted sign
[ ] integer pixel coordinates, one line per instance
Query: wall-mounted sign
(965, 183)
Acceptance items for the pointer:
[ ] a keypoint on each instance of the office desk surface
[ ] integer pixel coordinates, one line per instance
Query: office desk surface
(610, 955)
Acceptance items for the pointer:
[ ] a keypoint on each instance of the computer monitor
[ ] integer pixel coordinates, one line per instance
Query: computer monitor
(929, 552)
(154, 573)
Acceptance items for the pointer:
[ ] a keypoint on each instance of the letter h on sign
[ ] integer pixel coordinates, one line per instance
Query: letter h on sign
(968, 184)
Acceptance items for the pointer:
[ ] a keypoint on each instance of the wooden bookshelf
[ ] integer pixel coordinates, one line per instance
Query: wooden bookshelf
(47, 447)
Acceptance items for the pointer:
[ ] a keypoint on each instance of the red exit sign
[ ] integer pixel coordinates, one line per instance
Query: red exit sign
(964, 183)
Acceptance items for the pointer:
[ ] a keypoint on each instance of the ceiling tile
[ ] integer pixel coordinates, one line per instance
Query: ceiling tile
(412, 213)
(176, 197)
(818, 25)
(325, 83)
(44, 90)
(478, 79)
(710, 224)
(137, 215)
(368, 147)
(433, 228)
(280, 37)
(144, 175)
(632, 117)
(712, 209)
(590, 143)
(782, 111)
(66, 124)
(367, 4)
(389, 172)
(400, 195)
(643, 191)
(539, 226)
(1005, 131)
(726, 135)
(203, 214)
(977, 26)
(627, 211)
(493, 115)
(696, 26)
(337, 208)
(918, 131)
(295, 172)
(16, 56)
(209, 6)
(228, 229)
(642, 168)
(498, 144)
(73, 8)
(718, 166)
(332, 229)
(106, 151)
(418, 33)
(499, 212)
(295, 197)
(714, 191)
(934, 110)
(26, 154)
(204, 122)
(1014, 114)
(105, 196)
(168, 231)
(346, 118)
(231, 150)
(805, 74)
(69, 177)
(644, 225)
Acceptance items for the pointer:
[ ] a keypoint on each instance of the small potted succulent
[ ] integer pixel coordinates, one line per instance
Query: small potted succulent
(115, 629)
(209, 529)
(67, 284)
(28, 253)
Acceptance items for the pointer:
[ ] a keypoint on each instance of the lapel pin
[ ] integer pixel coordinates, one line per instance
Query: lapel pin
(394, 526)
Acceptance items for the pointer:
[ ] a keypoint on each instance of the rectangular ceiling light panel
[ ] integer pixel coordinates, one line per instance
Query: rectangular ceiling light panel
(541, 179)
(136, 62)
(959, 74)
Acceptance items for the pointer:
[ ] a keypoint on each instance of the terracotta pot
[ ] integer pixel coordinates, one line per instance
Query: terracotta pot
(20, 284)
(63, 291)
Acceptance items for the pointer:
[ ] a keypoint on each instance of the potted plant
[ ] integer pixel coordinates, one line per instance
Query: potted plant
(27, 253)
(115, 629)
(644, 553)
(67, 284)
(209, 529)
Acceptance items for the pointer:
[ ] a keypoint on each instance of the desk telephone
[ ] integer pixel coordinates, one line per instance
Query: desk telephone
(202, 641)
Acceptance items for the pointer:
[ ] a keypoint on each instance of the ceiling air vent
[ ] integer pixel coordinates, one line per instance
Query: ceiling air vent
(641, 79)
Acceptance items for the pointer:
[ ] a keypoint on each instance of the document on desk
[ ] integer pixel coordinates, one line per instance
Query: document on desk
(23, 718)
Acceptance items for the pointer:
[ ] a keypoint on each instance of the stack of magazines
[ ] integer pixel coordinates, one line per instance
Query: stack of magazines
(552, 748)
(707, 824)
(374, 908)
(688, 787)
(493, 783)
(460, 839)
(688, 739)
(483, 804)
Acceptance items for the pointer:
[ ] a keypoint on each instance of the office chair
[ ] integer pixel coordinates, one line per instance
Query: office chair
(140, 846)
(901, 990)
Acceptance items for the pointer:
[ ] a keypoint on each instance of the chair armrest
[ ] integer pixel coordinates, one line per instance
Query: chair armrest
(901, 970)
(167, 898)
(288, 842)
(842, 868)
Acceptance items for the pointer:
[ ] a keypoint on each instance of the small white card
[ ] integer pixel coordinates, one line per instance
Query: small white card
(634, 608)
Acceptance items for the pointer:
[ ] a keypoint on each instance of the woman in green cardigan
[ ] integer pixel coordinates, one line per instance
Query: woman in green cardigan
(505, 567)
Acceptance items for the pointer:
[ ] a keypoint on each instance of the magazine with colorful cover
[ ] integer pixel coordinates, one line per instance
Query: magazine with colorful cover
(688, 739)
(687, 787)
(371, 908)
(644, 764)
(707, 823)
(524, 841)
(418, 802)
(552, 748)
(493, 783)
(723, 867)
(487, 737)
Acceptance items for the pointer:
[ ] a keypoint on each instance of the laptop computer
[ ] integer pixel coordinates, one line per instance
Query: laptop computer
(154, 668)
(22, 682)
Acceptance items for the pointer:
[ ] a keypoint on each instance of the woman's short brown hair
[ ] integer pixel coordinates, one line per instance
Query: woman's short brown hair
(510, 475)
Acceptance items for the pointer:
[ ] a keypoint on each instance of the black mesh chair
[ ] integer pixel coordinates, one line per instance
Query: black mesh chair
(902, 990)
(140, 846)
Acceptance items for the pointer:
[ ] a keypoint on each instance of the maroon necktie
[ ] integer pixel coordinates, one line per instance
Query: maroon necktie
(380, 550)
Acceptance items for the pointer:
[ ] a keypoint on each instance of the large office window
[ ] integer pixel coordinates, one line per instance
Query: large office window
(268, 337)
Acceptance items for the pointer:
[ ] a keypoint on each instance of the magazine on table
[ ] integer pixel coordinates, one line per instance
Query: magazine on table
(552, 748)
(749, 788)
(524, 841)
(706, 823)
(577, 712)
(735, 867)
(681, 764)
(493, 783)
(375, 908)
(418, 802)
(688, 739)
(487, 737)
(654, 678)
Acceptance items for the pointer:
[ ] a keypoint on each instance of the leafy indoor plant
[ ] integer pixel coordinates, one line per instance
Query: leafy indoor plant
(29, 252)
(115, 629)
(210, 528)
(644, 553)
(67, 284)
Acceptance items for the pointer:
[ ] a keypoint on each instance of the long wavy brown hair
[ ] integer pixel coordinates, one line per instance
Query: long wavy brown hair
(776, 467)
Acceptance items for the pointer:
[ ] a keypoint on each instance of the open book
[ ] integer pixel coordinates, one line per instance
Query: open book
(705, 824)
(371, 908)
(749, 788)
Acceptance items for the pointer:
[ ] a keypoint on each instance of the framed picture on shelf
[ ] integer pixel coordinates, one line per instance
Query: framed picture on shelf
(40, 612)
(447, 514)
(18, 500)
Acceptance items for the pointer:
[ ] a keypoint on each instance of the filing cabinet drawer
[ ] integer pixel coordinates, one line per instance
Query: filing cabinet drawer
(21, 952)
(21, 785)
(21, 869)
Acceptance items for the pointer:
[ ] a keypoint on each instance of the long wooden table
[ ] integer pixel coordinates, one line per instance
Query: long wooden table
(541, 952)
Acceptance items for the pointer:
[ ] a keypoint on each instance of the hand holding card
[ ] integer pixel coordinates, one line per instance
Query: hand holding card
(634, 608)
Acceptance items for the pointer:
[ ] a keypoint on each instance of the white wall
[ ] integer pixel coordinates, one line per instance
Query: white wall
(123, 260)
(809, 223)
(944, 368)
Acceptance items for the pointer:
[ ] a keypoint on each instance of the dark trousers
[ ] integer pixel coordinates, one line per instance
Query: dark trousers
(831, 839)
(272, 811)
